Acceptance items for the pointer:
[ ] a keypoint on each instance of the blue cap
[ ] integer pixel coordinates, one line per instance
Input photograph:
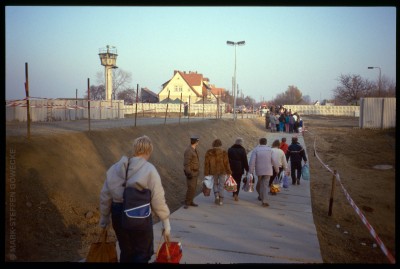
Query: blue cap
(195, 137)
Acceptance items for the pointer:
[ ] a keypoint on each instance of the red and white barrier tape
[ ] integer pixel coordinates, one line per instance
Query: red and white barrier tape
(358, 211)
(22, 103)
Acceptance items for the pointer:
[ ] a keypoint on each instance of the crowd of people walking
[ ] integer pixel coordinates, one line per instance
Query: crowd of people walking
(266, 163)
(281, 119)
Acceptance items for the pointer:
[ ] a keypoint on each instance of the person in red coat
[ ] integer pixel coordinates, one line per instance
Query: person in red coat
(284, 146)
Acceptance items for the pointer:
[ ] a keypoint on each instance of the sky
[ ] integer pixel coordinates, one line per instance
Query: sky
(306, 47)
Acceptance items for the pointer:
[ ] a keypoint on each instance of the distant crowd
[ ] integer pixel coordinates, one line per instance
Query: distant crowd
(281, 119)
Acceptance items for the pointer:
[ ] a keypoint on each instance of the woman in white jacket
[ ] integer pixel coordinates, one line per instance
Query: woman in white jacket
(279, 158)
(137, 245)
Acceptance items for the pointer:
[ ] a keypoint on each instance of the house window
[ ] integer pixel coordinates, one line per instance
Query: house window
(178, 88)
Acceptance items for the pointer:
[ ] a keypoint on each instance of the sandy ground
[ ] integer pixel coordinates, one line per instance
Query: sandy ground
(53, 183)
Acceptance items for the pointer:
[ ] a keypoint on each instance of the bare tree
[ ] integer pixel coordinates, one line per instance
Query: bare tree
(292, 96)
(128, 95)
(388, 87)
(96, 92)
(352, 88)
(120, 80)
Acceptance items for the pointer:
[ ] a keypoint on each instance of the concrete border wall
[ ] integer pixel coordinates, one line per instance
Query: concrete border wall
(377, 113)
(352, 111)
(63, 110)
(194, 109)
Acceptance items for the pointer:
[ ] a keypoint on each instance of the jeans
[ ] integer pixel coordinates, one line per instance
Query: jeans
(219, 182)
(135, 246)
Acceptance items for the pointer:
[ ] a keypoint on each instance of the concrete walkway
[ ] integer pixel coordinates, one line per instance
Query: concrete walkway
(245, 232)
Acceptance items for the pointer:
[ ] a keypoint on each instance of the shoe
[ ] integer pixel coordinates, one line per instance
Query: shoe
(235, 197)
(259, 198)
(186, 207)
(216, 200)
(293, 183)
(221, 201)
(298, 182)
(193, 204)
(264, 204)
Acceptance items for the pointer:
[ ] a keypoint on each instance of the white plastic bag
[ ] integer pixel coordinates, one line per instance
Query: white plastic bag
(249, 185)
(209, 181)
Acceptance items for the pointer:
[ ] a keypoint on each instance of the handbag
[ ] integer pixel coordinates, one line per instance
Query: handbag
(102, 251)
(208, 183)
(248, 183)
(305, 172)
(230, 184)
(206, 191)
(136, 207)
(285, 181)
(169, 252)
(275, 185)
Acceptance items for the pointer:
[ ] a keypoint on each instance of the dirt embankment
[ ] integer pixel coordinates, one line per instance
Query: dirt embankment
(57, 180)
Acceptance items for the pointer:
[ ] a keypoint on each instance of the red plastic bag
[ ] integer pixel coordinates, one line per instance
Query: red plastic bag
(169, 252)
(230, 184)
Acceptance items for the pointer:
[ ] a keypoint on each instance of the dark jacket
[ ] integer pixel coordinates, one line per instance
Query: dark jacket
(238, 159)
(296, 152)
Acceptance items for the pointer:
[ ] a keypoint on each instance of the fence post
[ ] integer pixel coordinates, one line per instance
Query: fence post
(28, 115)
(137, 91)
(180, 109)
(166, 110)
(189, 109)
(88, 88)
(332, 193)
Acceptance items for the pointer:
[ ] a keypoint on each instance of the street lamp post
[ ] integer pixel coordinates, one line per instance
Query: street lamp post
(379, 82)
(231, 43)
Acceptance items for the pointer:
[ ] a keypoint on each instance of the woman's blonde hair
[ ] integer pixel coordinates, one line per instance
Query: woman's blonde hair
(142, 145)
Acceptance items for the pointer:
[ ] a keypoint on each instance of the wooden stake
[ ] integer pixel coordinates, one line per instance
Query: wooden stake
(88, 96)
(332, 193)
(137, 91)
(28, 115)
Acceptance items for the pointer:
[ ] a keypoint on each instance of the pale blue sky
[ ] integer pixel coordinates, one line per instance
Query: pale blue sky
(308, 47)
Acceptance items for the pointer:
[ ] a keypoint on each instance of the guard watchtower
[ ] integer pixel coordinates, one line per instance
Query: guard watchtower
(108, 58)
